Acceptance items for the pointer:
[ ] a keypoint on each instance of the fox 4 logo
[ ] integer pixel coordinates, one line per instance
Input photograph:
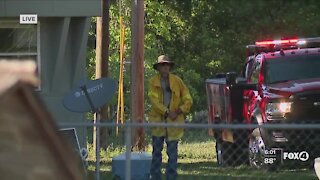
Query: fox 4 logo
(302, 156)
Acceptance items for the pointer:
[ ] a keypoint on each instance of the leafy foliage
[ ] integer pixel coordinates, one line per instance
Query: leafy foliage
(205, 37)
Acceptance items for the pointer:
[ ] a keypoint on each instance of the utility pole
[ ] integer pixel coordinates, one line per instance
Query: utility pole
(102, 64)
(137, 72)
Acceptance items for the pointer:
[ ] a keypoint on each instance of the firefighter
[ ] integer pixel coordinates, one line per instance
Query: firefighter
(170, 100)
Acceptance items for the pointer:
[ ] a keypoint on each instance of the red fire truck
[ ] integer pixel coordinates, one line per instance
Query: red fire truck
(279, 84)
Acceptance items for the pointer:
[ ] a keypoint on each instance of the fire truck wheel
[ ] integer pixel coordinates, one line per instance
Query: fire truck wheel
(224, 152)
(219, 153)
(256, 149)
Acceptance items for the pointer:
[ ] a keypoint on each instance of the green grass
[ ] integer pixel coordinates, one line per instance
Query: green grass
(197, 161)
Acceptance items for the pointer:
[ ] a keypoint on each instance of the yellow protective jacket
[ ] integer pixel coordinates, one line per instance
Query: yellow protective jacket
(180, 98)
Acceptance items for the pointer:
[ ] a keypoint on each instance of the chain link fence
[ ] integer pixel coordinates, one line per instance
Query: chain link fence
(288, 152)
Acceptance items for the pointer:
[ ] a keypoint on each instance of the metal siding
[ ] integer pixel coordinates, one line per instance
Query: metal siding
(51, 8)
(80, 57)
(2, 9)
(61, 63)
(61, 114)
(15, 8)
(51, 30)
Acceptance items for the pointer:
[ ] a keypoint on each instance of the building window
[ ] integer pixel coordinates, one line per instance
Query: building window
(20, 42)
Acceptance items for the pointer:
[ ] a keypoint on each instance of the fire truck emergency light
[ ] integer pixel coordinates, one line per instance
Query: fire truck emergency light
(282, 44)
(278, 42)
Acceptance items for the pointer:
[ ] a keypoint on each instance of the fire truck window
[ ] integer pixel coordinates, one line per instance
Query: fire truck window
(255, 71)
(247, 69)
(292, 68)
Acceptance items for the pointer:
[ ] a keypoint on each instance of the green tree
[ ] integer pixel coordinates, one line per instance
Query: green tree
(205, 37)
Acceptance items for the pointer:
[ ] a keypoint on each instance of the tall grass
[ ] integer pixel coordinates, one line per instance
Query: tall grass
(197, 160)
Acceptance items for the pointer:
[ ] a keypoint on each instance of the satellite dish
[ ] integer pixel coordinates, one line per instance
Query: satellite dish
(90, 95)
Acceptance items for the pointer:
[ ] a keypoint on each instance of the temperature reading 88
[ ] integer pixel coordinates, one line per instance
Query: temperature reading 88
(269, 160)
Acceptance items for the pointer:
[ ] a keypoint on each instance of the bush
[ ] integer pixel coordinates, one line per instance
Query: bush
(200, 117)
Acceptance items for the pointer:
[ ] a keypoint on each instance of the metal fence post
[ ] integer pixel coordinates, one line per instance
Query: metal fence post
(128, 152)
(97, 146)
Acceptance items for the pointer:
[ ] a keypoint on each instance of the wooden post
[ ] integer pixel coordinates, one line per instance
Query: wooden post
(102, 63)
(137, 72)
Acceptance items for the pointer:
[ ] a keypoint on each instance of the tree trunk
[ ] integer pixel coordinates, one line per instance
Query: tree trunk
(102, 65)
(137, 72)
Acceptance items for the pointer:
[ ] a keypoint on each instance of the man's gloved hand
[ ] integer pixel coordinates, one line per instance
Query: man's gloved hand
(172, 115)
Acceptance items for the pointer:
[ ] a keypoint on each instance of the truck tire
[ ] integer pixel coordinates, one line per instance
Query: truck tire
(257, 147)
(219, 151)
(224, 153)
(232, 154)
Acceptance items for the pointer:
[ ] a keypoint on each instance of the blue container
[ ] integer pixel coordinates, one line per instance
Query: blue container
(140, 165)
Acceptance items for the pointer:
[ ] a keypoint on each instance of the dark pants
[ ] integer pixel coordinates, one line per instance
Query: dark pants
(172, 152)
